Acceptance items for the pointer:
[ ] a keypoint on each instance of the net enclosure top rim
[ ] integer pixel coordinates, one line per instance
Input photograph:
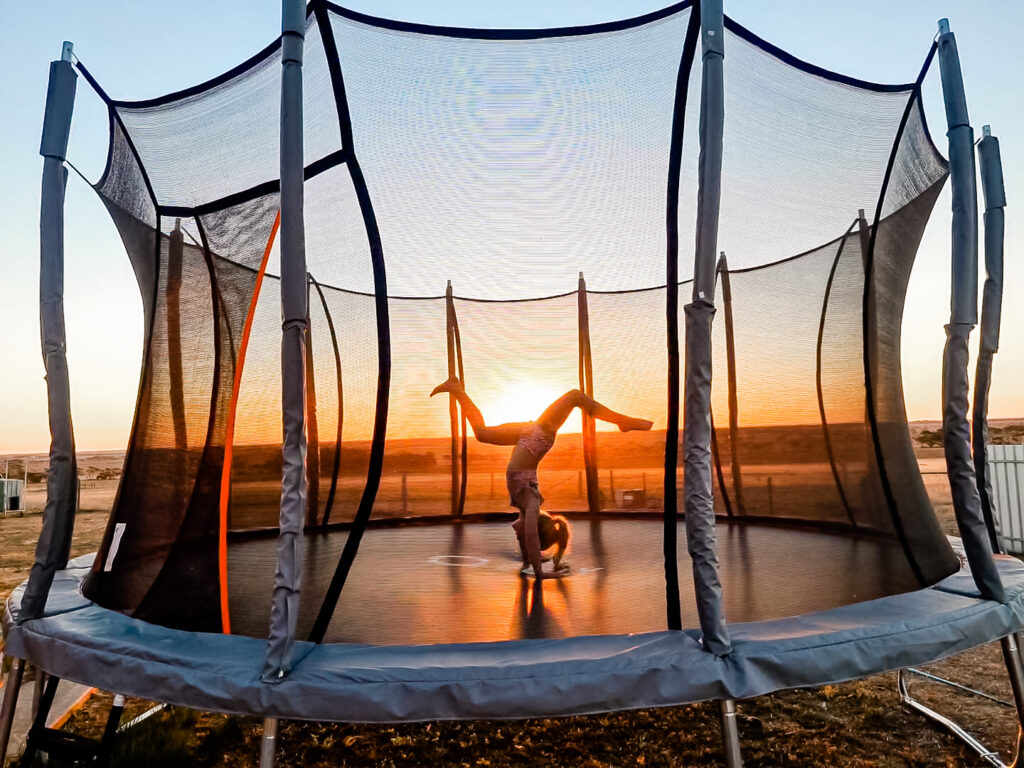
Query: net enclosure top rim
(506, 34)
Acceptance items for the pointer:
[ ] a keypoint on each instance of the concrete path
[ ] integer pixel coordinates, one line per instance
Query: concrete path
(68, 696)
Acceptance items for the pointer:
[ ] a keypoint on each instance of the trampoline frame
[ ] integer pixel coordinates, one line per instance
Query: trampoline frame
(998, 612)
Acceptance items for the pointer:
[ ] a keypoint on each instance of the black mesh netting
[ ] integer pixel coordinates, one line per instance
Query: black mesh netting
(508, 164)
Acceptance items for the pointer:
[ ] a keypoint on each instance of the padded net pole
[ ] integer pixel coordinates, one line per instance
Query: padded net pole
(294, 314)
(586, 376)
(464, 454)
(54, 545)
(175, 257)
(956, 430)
(734, 407)
(453, 403)
(700, 312)
(871, 482)
(312, 428)
(991, 310)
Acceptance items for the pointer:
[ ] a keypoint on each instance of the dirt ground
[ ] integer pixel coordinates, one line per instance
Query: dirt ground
(852, 724)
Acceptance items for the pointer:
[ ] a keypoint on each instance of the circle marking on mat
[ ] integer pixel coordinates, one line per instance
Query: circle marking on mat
(459, 561)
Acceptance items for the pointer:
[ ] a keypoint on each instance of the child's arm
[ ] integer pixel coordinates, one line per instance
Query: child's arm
(533, 551)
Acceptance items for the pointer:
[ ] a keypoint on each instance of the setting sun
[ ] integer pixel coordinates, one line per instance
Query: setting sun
(525, 401)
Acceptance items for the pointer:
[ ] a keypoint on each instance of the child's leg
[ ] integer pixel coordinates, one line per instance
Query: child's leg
(556, 414)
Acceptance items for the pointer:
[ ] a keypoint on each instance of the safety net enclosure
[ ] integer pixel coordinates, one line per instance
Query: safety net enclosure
(509, 165)
(516, 209)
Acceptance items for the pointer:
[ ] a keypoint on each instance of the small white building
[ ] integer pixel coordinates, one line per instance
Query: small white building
(12, 495)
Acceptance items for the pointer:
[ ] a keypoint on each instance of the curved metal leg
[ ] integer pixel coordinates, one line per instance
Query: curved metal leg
(1015, 670)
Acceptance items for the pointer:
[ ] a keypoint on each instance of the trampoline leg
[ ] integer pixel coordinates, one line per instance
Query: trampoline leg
(38, 729)
(106, 748)
(10, 701)
(1015, 670)
(730, 734)
(268, 744)
(989, 756)
(37, 691)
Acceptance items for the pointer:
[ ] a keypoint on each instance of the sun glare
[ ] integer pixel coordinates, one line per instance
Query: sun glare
(522, 402)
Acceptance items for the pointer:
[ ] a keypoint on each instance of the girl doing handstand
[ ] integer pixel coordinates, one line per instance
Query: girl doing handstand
(532, 440)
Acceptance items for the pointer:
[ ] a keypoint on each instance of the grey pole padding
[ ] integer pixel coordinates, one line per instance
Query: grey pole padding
(698, 478)
(712, 120)
(698, 472)
(956, 429)
(54, 545)
(294, 311)
(991, 310)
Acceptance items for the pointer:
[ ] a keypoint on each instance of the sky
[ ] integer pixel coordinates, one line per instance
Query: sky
(142, 49)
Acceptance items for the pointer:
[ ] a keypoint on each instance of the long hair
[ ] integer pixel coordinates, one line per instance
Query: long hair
(553, 530)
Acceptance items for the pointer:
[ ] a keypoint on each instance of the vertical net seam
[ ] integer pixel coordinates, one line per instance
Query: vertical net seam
(866, 327)
(817, 378)
(211, 424)
(336, 468)
(229, 431)
(375, 468)
(670, 546)
(113, 117)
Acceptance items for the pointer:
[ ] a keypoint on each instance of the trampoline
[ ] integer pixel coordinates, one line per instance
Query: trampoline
(368, 207)
(468, 587)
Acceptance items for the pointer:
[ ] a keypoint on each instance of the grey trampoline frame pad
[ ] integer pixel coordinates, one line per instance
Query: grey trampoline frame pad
(83, 642)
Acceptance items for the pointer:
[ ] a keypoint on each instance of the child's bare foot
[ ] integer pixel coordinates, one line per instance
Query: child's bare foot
(452, 385)
(630, 425)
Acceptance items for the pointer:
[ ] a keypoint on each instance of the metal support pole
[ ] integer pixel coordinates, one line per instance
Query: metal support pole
(730, 734)
(586, 370)
(106, 748)
(38, 729)
(1015, 671)
(956, 429)
(294, 314)
(37, 690)
(9, 704)
(698, 466)
(54, 544)
(991, 310)
(268, 744)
